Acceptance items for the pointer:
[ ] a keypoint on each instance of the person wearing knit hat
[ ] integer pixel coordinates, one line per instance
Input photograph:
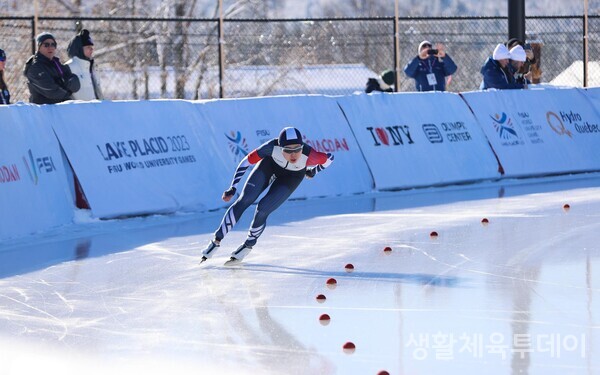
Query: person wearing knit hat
(431, 67)
(518, 57)
(48, 80)
(496, 71)
(280, 165)
(384, 82)
(512, 42)
(44, 36)
(4, 93)
(517, 53)
(501, 53)
(81, 52)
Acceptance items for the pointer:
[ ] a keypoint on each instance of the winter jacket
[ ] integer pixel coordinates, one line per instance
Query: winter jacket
(494, 77)
(4, 96)
(85, 70)
(49, 81)
(419, 69)
(4, 93)
(374, 84)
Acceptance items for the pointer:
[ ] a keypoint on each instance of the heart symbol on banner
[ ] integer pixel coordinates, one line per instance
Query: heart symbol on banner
(382, 135)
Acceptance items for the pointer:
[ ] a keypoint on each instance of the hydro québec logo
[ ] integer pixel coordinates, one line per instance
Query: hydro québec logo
(237, 144)
(396, 135)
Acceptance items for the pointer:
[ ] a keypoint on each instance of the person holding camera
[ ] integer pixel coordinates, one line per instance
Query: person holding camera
(49, 81)
(518, 60)
(530, 56)
(430, 67)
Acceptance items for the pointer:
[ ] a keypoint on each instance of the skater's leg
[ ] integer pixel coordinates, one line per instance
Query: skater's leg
(255, 185)
(279, 192)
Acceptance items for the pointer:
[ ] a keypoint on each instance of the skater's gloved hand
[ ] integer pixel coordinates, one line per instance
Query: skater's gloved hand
(311, 172)
(228, 194)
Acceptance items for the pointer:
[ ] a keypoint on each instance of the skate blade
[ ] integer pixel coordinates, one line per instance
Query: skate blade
(204, 259)
(232, 262)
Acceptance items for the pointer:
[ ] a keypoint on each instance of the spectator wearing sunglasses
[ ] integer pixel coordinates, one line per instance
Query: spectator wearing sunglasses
(48, 80)
(4, 93)
(81, 52)
(280, 165)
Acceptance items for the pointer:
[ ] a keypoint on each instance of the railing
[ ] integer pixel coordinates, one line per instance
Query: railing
(146, 58)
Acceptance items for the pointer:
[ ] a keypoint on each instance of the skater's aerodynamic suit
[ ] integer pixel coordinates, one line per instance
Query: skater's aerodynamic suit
(280, 173)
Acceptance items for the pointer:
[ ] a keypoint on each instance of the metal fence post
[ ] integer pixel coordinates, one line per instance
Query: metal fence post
(221, 52)
(33, 35)
(396, 49)
(585, 44)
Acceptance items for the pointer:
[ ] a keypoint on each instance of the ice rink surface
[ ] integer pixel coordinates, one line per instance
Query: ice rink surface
(520, 295)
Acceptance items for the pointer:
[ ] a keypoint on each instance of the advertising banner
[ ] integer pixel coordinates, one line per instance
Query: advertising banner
(419, 139)
(140, 157)
(34, 195)
(242, 125)
(537, 132)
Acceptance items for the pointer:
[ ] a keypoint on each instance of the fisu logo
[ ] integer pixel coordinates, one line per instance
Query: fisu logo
(36, 166)
(237, 145)
(504, 127)
(391, 135)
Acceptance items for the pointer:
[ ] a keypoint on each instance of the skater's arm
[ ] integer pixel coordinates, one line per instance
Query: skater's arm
(250, 159)
(319, 161)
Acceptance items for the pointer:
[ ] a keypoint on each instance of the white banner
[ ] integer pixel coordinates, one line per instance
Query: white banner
(419, 139)
(34, 194)
(140, 157)
(244, 124)
(537, 132)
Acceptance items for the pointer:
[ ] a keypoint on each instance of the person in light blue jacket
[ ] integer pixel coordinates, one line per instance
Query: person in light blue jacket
(430, 67)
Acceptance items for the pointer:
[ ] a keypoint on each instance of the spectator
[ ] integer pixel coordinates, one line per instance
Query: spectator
(496, 73)
(518, 59)
(81, 52)
(4, 93)
(48, 80)
(384, 82)
(530, 56)
(430, 67)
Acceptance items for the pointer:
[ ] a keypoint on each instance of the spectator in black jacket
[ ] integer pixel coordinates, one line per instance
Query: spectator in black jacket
(4, 93)
(383, 83)
(49, 81)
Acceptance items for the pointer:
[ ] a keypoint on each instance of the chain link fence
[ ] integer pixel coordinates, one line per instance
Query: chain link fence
(180, 58)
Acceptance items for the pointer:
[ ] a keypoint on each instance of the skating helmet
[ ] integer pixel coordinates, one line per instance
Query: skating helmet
(290, 136)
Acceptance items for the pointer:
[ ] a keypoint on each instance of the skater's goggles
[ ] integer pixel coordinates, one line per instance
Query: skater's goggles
(292, 150)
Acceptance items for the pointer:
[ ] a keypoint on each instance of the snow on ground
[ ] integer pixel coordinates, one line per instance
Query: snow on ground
(519, 295)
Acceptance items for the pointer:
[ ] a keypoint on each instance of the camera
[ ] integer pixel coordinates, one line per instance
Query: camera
(527, 46)
(432, 51)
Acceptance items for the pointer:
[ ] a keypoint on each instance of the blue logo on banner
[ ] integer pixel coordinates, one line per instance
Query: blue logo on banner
(237, 145)
(504, 127)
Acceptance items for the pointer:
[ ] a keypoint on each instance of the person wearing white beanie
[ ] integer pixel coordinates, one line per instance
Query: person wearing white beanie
(501, 53)
(496, 71)
(517, 60)
(517, 53)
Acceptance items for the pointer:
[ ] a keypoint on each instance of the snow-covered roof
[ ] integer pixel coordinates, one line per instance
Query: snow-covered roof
(573, 75)
(244, 81)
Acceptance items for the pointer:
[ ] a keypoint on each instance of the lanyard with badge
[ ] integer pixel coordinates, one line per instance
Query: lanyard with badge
(431, 76)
